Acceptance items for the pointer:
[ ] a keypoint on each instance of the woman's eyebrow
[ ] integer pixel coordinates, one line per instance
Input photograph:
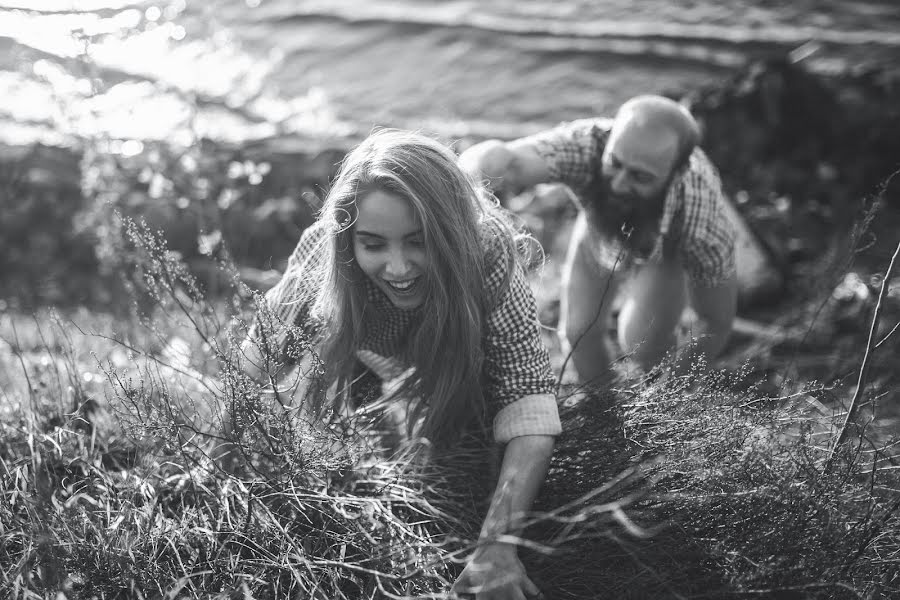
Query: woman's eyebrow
(365, 233)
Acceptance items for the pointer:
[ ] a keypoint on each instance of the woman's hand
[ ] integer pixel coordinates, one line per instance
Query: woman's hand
(495, 573)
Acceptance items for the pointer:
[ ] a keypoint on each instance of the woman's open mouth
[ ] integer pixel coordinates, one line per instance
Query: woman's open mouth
(404, 287)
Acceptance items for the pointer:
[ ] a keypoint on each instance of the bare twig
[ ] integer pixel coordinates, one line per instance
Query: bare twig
(603, 298)
(888, 335)
(864, 368)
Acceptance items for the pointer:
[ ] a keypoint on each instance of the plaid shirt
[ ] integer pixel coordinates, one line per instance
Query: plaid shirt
(694, 223)
(517, 374)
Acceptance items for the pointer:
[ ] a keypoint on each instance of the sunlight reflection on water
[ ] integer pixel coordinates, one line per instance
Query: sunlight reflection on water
(240, 70)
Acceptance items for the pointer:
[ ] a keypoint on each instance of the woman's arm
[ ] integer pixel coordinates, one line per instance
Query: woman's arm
(494, 571)
(283, 304)
(520, 381)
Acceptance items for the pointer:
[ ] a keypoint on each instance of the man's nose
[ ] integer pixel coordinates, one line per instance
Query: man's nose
(619, 182)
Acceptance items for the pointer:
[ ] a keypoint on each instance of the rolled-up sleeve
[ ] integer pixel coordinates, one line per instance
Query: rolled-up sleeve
(570, 150)
(519, 379)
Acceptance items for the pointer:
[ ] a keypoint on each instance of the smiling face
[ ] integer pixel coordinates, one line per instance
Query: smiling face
(638, 162)
(637, 167)
(389, 246)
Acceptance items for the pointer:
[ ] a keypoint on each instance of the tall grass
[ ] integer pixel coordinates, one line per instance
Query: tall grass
(702, 485)
(110, 485)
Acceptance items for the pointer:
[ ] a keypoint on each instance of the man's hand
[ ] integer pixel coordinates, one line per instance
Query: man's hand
(495, 573)
(490, 159)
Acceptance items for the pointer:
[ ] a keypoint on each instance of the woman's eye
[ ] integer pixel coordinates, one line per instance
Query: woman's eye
(417, 243)
(371, 245)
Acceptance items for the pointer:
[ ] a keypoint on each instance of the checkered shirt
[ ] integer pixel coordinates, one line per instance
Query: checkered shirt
(519, 383)
(694, 222)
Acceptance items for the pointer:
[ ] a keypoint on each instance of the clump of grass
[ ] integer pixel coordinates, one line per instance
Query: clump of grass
(130, 500)
(154, 516)
(745, 477)
(698, 485)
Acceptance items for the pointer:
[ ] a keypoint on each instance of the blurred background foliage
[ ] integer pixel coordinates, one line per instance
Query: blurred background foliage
(798, 153)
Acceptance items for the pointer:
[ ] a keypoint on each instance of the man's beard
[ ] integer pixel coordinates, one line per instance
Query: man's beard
(629, 219)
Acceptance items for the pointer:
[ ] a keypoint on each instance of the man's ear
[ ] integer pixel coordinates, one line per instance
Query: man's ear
(680, 169)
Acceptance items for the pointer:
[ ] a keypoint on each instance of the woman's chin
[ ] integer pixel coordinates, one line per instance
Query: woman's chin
(405, 300)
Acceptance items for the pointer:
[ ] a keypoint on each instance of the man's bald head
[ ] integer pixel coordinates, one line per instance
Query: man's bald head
(662, 115)
(650, 142)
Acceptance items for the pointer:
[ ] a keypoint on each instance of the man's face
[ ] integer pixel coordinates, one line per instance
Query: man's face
(637, 167)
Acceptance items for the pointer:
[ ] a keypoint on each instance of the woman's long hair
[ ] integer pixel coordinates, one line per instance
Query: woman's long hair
(460, 223)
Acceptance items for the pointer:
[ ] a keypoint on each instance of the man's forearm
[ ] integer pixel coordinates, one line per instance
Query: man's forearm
(714, 311)
(707, 340)
(591, 358)
(506, 168)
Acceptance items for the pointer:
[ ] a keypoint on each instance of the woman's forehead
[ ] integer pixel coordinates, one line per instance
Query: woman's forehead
(386, 215)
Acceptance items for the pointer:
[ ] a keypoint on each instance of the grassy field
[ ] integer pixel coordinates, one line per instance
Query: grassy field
(716, 484)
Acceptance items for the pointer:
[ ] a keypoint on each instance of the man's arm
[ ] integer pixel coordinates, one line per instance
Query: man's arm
(714, 308)
(494, 571)
(709, 258)
(508, 168)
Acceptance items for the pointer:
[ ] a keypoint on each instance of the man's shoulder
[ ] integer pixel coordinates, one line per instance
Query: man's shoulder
(580, 132)
(571, 149)
(700, 166)
(597, 127)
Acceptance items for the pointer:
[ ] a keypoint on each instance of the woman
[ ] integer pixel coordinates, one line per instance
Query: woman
(415, 274)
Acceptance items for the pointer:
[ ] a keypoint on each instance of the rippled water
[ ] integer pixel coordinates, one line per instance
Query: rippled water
(238, 70)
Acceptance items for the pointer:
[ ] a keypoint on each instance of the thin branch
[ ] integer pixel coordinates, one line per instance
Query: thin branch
(888, 335)
(603, 298)
(864, 368)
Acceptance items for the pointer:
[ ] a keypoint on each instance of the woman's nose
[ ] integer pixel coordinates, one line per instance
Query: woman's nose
(397, 264)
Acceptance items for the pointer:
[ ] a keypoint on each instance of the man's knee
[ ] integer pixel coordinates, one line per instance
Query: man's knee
(646, 353)
(581, 316)
(644, 336)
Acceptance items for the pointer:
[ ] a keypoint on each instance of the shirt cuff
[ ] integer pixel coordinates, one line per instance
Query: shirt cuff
(535, 414)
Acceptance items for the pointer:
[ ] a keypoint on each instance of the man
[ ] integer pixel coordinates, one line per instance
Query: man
(652, 225)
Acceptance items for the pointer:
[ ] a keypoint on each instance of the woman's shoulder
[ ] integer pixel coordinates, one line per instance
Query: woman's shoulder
(314, 234)
(508, 252)
(309, 246)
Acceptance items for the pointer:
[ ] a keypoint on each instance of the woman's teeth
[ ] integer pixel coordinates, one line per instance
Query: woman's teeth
(401, 286)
